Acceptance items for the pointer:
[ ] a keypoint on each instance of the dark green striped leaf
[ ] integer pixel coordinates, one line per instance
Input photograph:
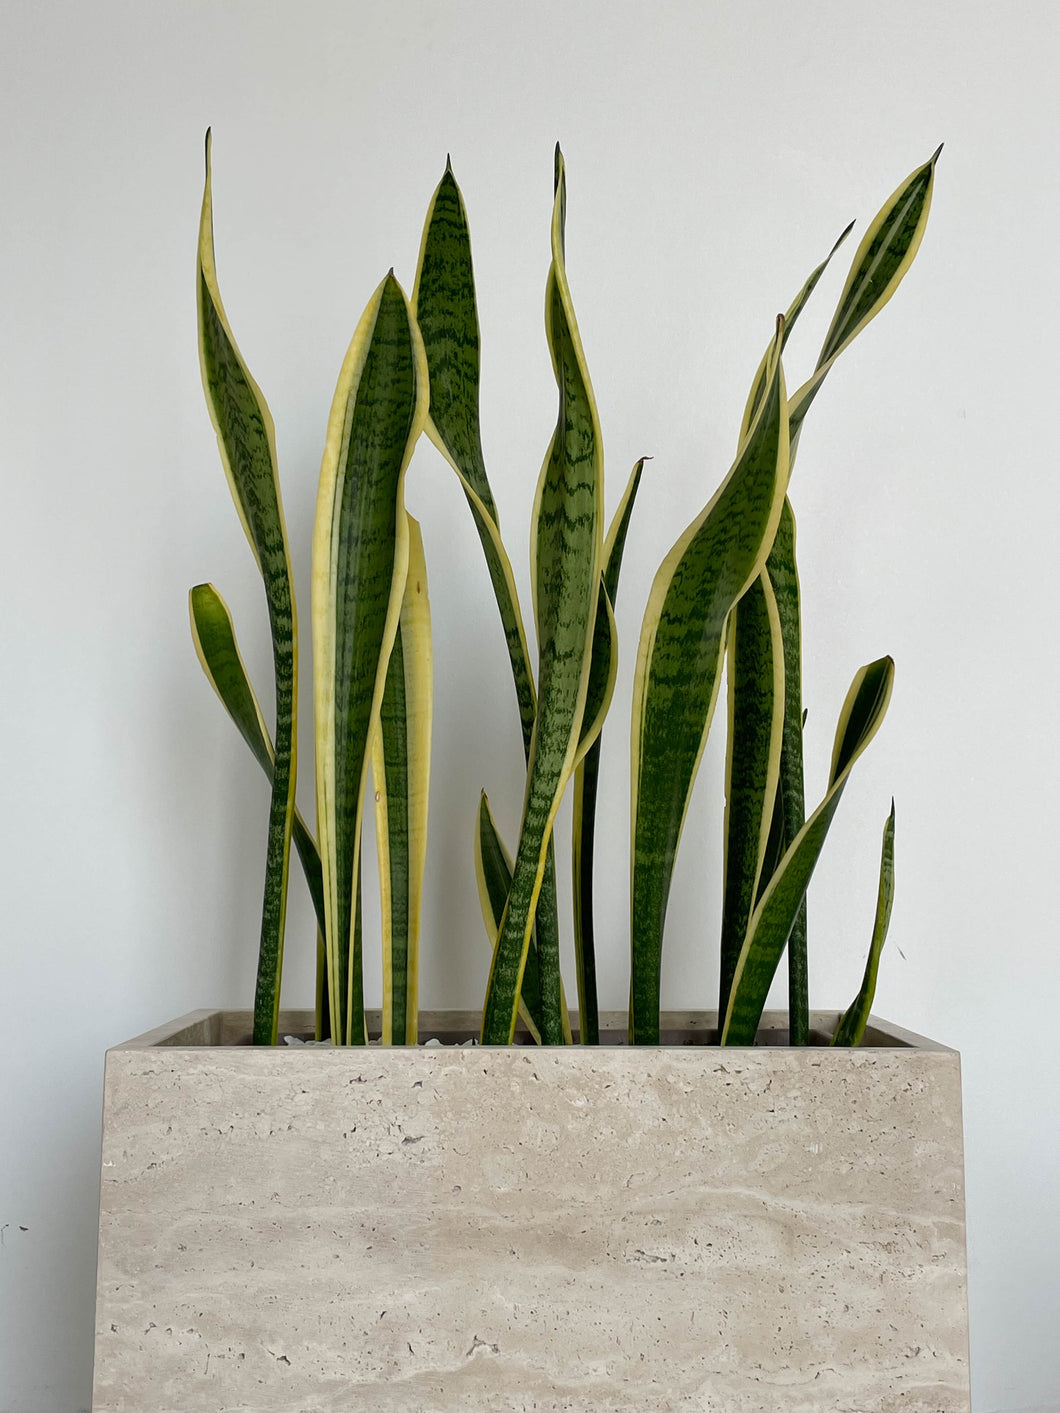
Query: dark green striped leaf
(360, 562)
(756, 728)
(586, 776)
(678, 665)
(443, 299)
(247, 443)
(215, 643)
(566, 556)
(401, 762)
(796, 307)
(775, 912)
(445, 305)
(851, 1028)
(493, 871)
(879, 266)
(790, 810)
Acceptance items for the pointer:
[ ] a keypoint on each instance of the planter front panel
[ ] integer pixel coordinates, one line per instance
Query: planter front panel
(593, 1231)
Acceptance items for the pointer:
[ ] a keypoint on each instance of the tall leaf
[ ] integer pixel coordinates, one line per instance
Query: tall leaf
(247, 443)
(756, 729)
(586, 775)
(851, 1028)
(775, 912)
(678, 672)
(444, 302)
(566, 554)
(360, 562)
(783, 577)
(401, 763)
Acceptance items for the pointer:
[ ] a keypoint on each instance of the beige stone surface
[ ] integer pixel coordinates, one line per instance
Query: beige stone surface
(680, 1230)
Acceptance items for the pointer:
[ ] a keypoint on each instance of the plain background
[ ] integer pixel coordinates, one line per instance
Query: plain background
(714, 153)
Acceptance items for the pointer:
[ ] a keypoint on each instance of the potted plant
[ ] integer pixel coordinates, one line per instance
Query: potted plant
(741, 1209)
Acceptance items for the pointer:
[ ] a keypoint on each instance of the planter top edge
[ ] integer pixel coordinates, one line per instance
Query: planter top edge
(221, 1028)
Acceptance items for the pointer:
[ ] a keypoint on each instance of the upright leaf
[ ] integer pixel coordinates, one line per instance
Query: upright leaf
(775, 912)
(493, 872)
(443, 299)
(444, 302)
(401, 763)
(247, 443)
(566, 555)
(851, 1028)
(678, 672)
(360, 562)
(756, 730)
(790, 806)
(586, 775)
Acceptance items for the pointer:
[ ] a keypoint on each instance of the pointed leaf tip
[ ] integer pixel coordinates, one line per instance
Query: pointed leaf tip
(935, 155)
(448, 165)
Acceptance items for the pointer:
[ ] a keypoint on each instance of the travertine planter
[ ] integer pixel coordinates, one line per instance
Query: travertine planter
(681, 1229)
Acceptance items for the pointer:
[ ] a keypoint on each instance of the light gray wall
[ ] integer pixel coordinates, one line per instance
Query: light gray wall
(714, 152)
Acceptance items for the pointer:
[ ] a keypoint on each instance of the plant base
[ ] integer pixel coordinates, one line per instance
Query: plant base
(606, 1230)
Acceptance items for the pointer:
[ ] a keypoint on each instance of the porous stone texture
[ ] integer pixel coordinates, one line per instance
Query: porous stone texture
(673, 1230)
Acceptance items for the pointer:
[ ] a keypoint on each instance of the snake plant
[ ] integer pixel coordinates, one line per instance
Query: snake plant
(724, 608)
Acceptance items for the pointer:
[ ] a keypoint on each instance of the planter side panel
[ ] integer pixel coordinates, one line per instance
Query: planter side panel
(677, 1231)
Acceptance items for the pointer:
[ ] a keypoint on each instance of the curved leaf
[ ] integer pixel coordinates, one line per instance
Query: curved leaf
(798, 304)
(214, 637)
(247, 443)
(775, 912)
(678, 673)
(565, 557)
(851, 1028)
(360, 562)
(879, 266)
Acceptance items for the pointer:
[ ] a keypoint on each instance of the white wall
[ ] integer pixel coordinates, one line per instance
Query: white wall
(714, 152)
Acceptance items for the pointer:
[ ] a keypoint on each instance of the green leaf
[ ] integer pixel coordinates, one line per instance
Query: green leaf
(775, 912)
(444, 301)
(247, 443)
(756, 729)
(401, 763)
(678, 672)
(586, 775)
(215, 643)
(791, 795)
(493, 872)
(851, 1028)
(360, 563)
(566, 553)
(796, 307)
(879, 266)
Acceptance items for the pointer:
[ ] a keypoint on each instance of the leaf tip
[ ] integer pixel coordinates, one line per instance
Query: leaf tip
(935, 154)
(844, 235)
(448, 165)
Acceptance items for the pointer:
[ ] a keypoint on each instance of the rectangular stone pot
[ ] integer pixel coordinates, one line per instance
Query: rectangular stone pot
(600, 1230)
